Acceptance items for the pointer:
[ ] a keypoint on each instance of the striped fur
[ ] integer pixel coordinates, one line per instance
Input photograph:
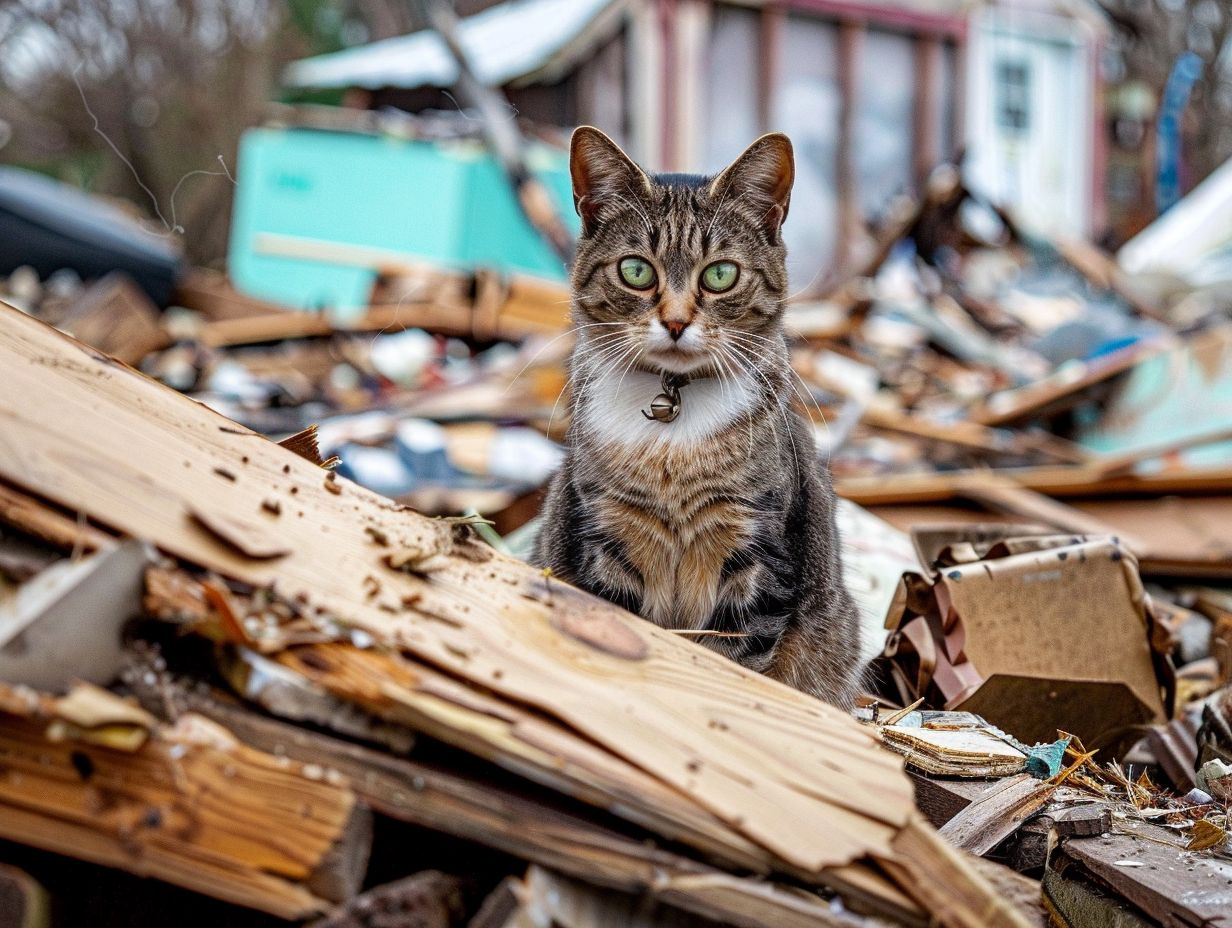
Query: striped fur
(722, 520)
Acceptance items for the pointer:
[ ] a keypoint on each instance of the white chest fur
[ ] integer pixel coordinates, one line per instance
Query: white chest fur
(611, 411)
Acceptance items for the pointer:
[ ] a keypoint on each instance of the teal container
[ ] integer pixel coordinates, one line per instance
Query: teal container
(443, 201)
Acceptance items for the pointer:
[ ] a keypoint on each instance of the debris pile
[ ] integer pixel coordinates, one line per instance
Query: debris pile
(1047, 727)
(314, 656)
(966, 344)
(331, 705)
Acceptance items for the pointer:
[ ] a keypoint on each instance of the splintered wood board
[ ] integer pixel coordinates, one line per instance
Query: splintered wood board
(220, 819)
(799, 778)
(528, 826)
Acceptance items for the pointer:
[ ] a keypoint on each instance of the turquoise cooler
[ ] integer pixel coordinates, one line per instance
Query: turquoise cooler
(443, 201)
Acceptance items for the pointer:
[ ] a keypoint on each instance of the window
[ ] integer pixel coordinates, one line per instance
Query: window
(1013, 83)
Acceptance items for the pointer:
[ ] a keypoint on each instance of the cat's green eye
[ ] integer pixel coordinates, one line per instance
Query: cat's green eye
(720, 276)
(637, 273)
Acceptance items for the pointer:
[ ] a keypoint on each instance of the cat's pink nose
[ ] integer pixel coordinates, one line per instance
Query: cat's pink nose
(675, 328)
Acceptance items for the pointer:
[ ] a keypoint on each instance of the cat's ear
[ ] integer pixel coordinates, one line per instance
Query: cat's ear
(764, 173)
(603, 176)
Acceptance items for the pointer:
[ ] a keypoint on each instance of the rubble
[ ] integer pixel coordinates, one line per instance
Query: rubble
(1093, 670)
(418, 624)
(284, 840)
(1035, 462)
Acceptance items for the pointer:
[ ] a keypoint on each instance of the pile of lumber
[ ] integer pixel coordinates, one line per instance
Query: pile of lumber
(334, 655)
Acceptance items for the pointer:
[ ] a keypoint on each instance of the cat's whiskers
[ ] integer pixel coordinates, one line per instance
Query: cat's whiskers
(720, 360)
(610, 355)
(806, 397)
(628, 367)
(736, 359)
(779, 406)
(798, 384)
(574, 330)
(626, 358)
(590, 356)
(803, 290)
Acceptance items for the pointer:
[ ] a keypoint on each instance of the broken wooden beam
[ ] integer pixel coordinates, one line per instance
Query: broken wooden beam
(997, 812)
(519, 821)
(37, 518)
(93, 777)
(942, 798)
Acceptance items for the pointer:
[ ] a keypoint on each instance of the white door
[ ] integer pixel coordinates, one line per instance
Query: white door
(1029, 125)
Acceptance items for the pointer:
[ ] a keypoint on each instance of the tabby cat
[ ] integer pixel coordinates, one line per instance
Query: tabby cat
(691, 492)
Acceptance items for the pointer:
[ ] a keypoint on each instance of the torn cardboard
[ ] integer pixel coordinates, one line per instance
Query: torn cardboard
(1035, 642)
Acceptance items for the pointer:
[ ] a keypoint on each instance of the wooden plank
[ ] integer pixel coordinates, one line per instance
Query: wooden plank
(1007, 497)
(187, 805)
(282, 326)
(1082, 821)
(1149, 867)
(515, 820)
(850, 40)
(523, 314)
(212, 295)
(996, 813)
(769, 53)
(1180, 536)
(1063, 388)
(925, 130)
(1062, 482)
(779, 769)
(942, 799)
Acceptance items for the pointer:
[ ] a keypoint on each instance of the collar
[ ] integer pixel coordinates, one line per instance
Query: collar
(666, 406)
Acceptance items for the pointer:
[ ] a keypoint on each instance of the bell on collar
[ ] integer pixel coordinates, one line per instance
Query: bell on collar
(663, 408)
(666, 406)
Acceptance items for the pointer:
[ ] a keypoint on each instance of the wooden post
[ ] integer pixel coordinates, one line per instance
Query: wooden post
(770, 48)
(926, 129)
(668, 153)
(850, 34)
